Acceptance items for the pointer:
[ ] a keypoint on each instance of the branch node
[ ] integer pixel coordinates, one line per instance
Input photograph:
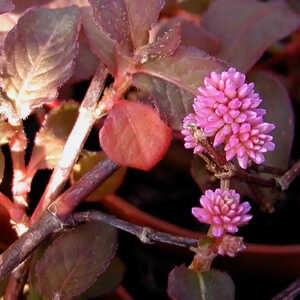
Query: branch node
(144, 236)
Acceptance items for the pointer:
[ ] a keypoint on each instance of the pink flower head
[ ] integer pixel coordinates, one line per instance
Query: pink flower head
(226, 109)
(222, 209)
(231, 245)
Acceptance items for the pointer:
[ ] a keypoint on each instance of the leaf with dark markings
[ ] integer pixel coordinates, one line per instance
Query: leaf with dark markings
(74, 260)
(39, 56)
(194, 285)
(142, 14)
(247, 28)
(133, 135)
(172, 103)
(100, 43)
(112, 18)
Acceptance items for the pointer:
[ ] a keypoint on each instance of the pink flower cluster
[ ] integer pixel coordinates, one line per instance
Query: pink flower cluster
(226, 109)
(222, 209)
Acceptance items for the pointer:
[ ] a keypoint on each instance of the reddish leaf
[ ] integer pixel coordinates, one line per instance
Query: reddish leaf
(73, 262)
(186, 68)
(193, 34)
(247, 28)
(133, 135)
(194, 285)
(100, 43)
(142, 14)
(165, 44)
(40, 53)
(112, 18)
(5, 6)
(172, 102)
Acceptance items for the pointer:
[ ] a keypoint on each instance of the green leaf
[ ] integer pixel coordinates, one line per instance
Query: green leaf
(85, 163)
(39, 56)
(107, 282)
(246, 28)
(211, 285)
(74, 260)
(2, 165)
(6, 6)
(280, 112)
(100, 43)
(50, 140)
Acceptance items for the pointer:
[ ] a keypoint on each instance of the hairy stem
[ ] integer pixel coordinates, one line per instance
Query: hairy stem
(74, 143)
(288, 177)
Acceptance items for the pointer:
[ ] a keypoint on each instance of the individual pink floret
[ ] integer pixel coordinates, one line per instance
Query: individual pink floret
(222, 209)
(231, 245)
(226, 110)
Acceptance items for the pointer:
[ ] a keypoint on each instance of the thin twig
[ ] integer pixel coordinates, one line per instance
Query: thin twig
(75, 141)
(288, 177)
(144, 234)
(290, 293)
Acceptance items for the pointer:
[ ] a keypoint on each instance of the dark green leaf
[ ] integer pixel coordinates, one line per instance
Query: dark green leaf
(211, 285)
(246, 28)
(73, 262)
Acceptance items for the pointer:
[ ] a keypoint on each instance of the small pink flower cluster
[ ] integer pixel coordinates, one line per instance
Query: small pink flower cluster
(231, 245)
(227, 110)
(222, 209)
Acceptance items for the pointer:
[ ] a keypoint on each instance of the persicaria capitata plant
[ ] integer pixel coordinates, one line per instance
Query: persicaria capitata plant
(170, 120)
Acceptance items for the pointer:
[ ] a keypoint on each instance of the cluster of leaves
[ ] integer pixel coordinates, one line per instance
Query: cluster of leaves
(156, 65)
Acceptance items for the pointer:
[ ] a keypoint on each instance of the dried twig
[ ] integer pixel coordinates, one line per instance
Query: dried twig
(290, 293)
(286, 179)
